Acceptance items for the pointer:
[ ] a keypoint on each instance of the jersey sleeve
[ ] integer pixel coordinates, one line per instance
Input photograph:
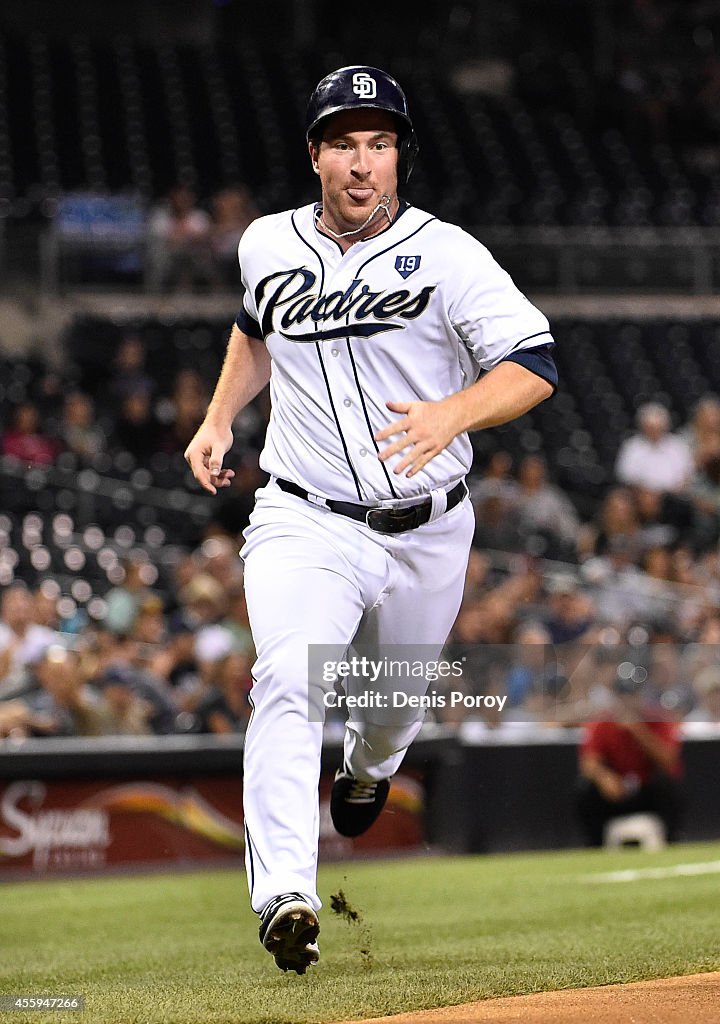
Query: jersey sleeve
(247, 319)
(490, 314)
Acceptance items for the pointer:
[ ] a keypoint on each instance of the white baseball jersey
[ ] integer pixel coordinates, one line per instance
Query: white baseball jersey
(414, 313)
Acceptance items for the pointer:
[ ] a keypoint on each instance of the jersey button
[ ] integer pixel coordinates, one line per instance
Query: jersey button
(363, 451)
(347, 403)
(335, 352)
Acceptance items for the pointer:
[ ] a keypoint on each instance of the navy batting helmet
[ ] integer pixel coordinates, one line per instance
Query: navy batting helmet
(361, 86)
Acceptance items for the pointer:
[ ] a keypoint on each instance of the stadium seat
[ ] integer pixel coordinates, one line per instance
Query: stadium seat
(557, 148)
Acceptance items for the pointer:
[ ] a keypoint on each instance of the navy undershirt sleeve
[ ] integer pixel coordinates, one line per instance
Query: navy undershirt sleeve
(539, 361)
(248, 325)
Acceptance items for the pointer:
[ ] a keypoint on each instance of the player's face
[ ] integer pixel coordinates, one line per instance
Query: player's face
(357, 164)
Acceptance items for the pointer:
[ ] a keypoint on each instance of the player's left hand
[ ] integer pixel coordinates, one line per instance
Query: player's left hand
(427, 428)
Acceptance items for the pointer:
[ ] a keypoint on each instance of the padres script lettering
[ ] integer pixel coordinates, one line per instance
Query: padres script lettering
(294, 299)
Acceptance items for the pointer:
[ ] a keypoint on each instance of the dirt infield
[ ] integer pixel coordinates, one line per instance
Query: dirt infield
(694, 999)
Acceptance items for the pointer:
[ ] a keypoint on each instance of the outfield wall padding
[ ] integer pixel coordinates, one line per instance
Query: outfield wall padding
(87, 805)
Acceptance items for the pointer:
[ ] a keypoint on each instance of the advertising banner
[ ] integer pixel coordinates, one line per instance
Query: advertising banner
(66, 826)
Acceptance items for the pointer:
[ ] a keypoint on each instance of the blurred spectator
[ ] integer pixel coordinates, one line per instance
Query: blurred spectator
(703, 430)
(664, 518)
(629, 764)
(532, 654)
(544, 510)
(174, 663)
(657, 562)
(213, 643)
(45, 599)
(22, 639)
(15, 719)
(25, 440)
(227, 708)
(495, 613)
(704, 493)
(61, 704)
(129, 376)
(218, 557)
(545, 702)
(204, 599)
(467, 638)
(570, 611)
(497, 527)
(149, 626)
(158, 697)
(203, 606)
(78, 429)
(667, 686)
(618, 586)
(687, 569)
(653, 457)
(237, 621)
(123, 712)
(482, 633)
(183, 412)
(233, 210)
(496, 480)
(125, 601)
(478, 577)
(658, 582)
(705, 485)
(180, 243)
(617, 517)
(136, 429)
(592, 669)
(706, 686)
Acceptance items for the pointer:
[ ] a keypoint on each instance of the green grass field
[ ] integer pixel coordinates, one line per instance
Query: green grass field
(433, 932)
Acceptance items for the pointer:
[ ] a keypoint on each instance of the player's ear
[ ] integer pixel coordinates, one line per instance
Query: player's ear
(314, 151)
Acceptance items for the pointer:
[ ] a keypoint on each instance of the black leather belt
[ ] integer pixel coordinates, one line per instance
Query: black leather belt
(382, 520)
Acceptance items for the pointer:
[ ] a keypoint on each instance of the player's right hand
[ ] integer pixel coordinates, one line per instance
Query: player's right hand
(205, 455)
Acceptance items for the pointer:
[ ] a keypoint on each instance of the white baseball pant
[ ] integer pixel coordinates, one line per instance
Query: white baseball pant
(315, 577)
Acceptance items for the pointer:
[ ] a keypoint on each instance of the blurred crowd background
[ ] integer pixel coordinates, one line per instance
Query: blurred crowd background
(580, 140)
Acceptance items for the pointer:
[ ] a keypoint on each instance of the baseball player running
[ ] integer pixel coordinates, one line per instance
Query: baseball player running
(386, 335)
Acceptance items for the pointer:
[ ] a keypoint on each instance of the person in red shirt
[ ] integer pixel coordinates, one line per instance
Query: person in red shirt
(25, 440)
(629, 764)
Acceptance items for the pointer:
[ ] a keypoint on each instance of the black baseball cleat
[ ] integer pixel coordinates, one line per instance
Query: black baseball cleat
(289, 929)
(354, 805)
